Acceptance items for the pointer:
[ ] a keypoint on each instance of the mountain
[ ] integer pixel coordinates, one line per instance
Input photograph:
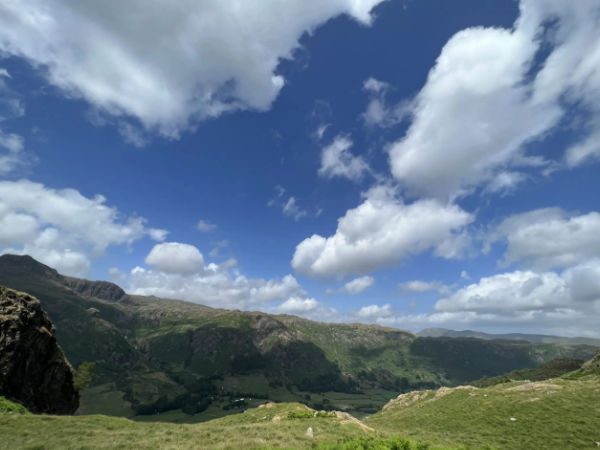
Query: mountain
(145, 355)
(534, 338)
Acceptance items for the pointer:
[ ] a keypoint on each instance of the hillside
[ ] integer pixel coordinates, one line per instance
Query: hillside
(558, 413)
(272, 426)
(144, 355)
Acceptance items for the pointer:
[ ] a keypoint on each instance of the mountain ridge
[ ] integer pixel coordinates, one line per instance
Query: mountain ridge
(152, 355)
(534, 338)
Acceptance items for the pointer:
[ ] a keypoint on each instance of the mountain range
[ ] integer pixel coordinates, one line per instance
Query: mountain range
(139, 356)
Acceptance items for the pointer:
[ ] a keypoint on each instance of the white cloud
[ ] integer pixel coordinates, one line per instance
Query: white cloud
(62, 228)
(420, 286)
(512, 292)
(166, 64)
(205, 226)
(566, 303)
(175, 257)
(297, 305)
(217, 247)
(11, 152)
(375, 311)
(289, 205)
(383, 231)
(548, 238)
(12, 145)
(584, 151)
(291, 209)
(359, 285)
(338, 161)
(506, 182)
(378, 112)
(218, 285)
(460, 136)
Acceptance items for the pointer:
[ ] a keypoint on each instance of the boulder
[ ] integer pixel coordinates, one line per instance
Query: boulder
(33, 368)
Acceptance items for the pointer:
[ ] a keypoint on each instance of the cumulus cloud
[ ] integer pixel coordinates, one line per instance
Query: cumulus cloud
(562, 303)
(460, 137)
(381, 231)
(218, 285)
(175, 257)
(548, 238)
(514, 291)
(338, 161)
(61, 227)
(359, 284)
(166, 64)
(296, 305)
(375, 311)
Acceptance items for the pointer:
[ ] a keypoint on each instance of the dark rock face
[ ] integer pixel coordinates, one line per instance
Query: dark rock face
(100, 289)
(33, 368)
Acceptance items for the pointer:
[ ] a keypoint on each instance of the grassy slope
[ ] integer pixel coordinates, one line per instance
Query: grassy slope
(552, 369)
(280, 426)
(556, 414)
(553, 414)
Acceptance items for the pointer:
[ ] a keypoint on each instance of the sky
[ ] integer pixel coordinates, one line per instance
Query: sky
(408, 163)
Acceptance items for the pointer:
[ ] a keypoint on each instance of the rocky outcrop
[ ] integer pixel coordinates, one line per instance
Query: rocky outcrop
(33, 368)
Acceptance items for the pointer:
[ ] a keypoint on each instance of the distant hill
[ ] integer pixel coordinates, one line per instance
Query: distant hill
(534, 338)
(145, 356)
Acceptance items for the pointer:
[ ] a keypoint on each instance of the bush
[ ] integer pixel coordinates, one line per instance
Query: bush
(83, 375)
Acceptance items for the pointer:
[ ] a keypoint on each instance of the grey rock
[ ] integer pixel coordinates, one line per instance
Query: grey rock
(33, 368)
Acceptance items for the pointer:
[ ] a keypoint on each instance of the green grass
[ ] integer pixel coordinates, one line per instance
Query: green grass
(8, 407)
(278, 426)
(558, 413)
(553, 414)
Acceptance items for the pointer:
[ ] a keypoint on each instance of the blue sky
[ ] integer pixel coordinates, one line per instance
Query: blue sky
(415, 164)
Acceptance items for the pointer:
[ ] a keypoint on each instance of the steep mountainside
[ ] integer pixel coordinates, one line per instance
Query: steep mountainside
(154, 355)
(33, 369)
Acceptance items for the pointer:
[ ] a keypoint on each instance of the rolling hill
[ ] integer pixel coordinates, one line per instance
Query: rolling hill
(143, 356)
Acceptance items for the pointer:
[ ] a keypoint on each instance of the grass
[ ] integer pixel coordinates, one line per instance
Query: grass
(559, 413)
(554, 414)
(8, 407)
(278, 426)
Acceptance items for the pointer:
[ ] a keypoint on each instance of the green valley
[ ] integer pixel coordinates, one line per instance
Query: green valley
(151, 358)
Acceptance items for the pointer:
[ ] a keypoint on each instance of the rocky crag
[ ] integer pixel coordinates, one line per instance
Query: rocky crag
(33, 368)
